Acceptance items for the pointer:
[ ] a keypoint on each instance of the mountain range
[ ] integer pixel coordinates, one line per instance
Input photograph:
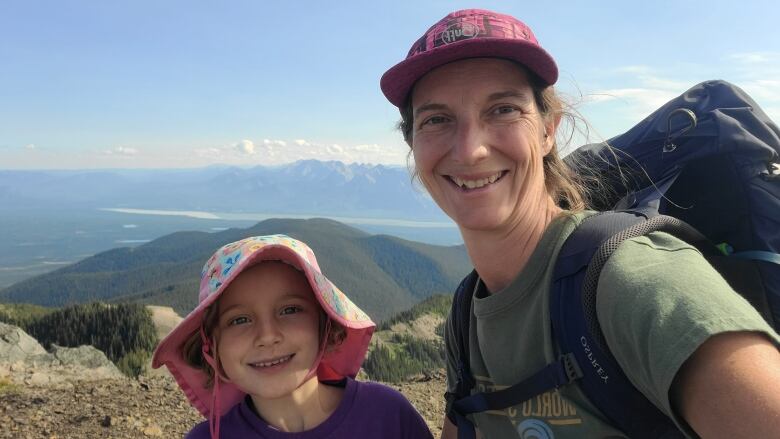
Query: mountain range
(380, 273)
(307, 187)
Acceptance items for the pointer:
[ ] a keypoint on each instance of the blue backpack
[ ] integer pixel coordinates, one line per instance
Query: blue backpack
(705, 167)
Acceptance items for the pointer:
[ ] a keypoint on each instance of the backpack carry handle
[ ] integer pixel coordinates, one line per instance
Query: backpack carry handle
(669, 145)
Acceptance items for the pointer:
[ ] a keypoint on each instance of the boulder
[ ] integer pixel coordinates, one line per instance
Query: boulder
(24, 360)
(85, 356)
(16, 346)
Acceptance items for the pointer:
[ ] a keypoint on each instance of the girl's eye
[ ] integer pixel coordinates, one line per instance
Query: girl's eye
(291, 310)
(238, 321)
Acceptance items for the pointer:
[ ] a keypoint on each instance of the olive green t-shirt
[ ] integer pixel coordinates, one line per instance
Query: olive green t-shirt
(658, 300)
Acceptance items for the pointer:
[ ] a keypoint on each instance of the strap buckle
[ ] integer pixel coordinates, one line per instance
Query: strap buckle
(571, 367)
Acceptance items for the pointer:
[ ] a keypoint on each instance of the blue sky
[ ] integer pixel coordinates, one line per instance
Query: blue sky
(161, 84)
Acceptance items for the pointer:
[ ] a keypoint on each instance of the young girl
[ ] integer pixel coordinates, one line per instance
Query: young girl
(272, 348)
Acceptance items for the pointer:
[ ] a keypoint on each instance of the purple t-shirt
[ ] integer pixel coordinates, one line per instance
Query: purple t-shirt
(367, 410)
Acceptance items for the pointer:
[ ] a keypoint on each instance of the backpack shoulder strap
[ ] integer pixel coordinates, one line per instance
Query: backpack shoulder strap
(575, 324)
(460, 315)
(582, 358)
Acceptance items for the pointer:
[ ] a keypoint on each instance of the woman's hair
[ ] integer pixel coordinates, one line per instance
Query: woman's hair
(569, 189)
(192, 348)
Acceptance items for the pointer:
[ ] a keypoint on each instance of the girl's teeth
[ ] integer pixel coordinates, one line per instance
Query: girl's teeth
(273, 363)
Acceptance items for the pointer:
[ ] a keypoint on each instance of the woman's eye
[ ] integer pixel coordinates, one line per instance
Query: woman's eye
(290, 310)
(238, 321)
(504, 109)
(434, 120)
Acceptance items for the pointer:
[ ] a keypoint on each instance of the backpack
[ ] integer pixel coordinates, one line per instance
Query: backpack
(705, 168)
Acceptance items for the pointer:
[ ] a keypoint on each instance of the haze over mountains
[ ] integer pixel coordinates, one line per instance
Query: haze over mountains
(307, 187)
(51, 218)
(382, 274)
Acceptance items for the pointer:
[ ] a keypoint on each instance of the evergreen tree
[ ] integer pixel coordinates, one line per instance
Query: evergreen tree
(125, 332)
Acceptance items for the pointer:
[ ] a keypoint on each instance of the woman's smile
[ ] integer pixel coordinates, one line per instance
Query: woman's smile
(467, 184)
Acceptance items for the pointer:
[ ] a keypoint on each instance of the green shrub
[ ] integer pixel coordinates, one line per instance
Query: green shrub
(22, 314)
(6, 386)
(134, 363)
(440, 328)
(404, 357)
(437, 305)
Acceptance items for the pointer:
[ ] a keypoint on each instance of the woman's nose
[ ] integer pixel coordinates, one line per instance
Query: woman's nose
(469, 146)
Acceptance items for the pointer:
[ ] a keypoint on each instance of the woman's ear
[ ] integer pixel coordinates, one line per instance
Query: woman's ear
(550, 128)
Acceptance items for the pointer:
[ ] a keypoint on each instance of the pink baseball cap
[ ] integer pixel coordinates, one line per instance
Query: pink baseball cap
(468, 33)
(218, 272)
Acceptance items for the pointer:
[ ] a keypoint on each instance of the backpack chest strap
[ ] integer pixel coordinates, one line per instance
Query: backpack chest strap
(556, 374)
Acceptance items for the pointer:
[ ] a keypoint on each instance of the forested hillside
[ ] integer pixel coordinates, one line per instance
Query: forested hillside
(410, 343)
(382, 274)
(124, 332)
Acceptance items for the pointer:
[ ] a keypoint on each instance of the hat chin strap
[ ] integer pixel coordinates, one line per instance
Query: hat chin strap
(214, 415)
(320, 354)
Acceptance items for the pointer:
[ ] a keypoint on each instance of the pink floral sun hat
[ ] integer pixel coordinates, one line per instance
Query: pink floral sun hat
(220, 270)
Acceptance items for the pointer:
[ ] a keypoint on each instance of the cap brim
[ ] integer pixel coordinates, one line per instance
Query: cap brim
(397, 82)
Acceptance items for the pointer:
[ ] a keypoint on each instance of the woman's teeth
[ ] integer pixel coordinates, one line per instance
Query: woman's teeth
(474, 184)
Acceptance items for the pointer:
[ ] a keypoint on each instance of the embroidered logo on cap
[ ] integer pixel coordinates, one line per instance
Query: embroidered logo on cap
(459, 31)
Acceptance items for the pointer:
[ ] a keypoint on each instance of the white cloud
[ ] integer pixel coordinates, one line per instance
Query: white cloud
(754, 57)
(276, 151)
(369, 148)
(643, 88)
(212, 153)
(121, 150)
(334, 149)
(245, 147)
(757, 74)
(763, 90)
(637, 102)
(273, 143)
(124, 150)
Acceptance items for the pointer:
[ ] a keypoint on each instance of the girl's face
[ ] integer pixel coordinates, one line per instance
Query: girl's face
(268, 330)
(478, 143)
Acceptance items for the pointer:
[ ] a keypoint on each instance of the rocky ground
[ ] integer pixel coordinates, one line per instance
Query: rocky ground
(79, 393)
(151, 407)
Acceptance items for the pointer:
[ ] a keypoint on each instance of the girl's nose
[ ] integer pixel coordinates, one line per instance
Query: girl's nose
(268, 333)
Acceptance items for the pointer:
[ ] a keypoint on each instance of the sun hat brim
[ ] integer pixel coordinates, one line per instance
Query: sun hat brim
(343, 361)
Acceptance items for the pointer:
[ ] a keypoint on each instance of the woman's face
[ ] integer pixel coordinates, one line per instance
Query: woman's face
(478, 142)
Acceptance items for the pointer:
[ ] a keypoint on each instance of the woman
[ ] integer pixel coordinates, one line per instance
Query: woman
(480, 115)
